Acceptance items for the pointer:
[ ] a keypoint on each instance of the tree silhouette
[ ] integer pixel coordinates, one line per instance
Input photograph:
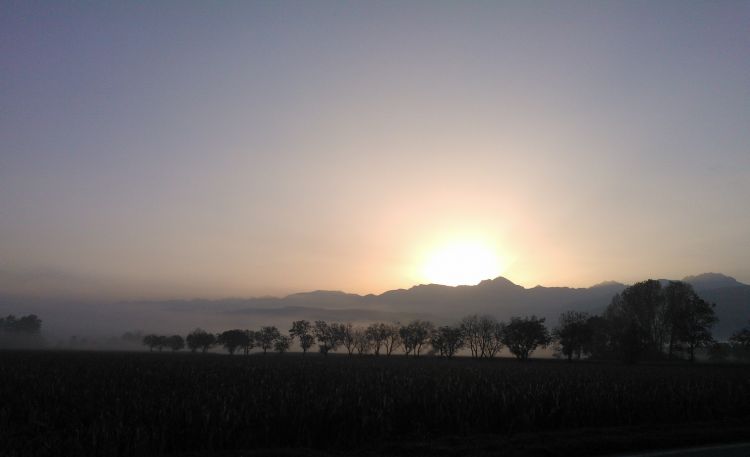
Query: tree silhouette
(471, 334)
(391, 337)
(447, 340)
(599, 345)
(249, 342)
(415, 335)
(636, 330)
(281, 344)
(524, 335)
(740, 343)
(151, 341)
(690, 317)
(302, 330)
(741, 338)
(329, 336)
(200, 339)
(267, 337)
(362, 342)
(233, 340)
(573, 333)
(348, 338)
(29, 325)
(175, 343)
(376, 334)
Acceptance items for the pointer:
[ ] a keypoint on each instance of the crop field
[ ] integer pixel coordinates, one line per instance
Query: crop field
(128, 404)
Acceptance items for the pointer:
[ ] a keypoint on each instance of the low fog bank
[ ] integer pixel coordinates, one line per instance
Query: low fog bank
(73, 324)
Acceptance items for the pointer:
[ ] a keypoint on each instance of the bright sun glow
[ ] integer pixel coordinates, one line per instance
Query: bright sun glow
(462, 263)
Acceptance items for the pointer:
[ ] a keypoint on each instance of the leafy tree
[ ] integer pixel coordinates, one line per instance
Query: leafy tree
(741, 338)
(522, 336)
(329, 336)
(267, 337)
(695, 325)
(599, 345)
(740, 343)
(677, 296)
(162, 342)
(233, 339)
(447, 340)
(635, 322)
(573, 333)
(151, 341)
(249, 341)
(689, 317)
(415, 335)
(200, 339)
(175, 343)
(302, 330)
(281, 344)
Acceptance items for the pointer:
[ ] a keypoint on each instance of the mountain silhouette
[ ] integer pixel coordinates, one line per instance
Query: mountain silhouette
(709, 281)
(499, 297)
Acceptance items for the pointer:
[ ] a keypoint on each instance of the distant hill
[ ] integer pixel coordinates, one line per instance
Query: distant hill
(709, 281)
(499, 297)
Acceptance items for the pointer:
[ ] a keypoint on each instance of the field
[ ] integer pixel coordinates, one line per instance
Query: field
(127, 404)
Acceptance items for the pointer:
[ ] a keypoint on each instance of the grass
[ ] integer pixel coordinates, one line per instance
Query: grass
(126, 404)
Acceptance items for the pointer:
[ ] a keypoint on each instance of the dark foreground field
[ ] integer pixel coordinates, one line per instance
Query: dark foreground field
(106, 404)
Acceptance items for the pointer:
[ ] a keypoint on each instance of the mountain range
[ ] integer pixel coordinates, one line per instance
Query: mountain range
(442, 304)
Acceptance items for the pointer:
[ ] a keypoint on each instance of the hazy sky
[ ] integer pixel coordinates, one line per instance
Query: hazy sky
(243, 148)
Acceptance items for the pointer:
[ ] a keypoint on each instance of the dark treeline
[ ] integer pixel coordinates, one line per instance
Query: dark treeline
(28, 325)
(20, 332)
(647, 321)
(483, 336)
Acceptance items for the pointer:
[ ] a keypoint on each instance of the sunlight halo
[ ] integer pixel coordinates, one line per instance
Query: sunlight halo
(462, 263)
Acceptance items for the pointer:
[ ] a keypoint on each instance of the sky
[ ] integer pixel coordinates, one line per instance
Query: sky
(213, 149)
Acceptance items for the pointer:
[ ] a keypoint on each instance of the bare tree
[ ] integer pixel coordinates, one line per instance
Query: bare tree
(392, 337)
(362, 342)
(377, 333)
(348, 338)
(471, 334)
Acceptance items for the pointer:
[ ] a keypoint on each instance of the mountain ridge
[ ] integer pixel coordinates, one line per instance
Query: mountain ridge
(442, 304)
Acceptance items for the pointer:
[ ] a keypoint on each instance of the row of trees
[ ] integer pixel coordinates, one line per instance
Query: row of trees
(647, 320)
(483, 336)
(30, 325)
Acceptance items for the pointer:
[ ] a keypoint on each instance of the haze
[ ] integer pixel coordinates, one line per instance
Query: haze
(185, 149)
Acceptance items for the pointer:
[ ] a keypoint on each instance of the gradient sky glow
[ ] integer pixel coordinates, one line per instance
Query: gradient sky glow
(241, 148)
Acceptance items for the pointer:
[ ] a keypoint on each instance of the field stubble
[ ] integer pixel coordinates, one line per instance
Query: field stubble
(124, 404)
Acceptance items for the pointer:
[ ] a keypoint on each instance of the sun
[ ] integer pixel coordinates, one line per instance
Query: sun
(462, 263)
